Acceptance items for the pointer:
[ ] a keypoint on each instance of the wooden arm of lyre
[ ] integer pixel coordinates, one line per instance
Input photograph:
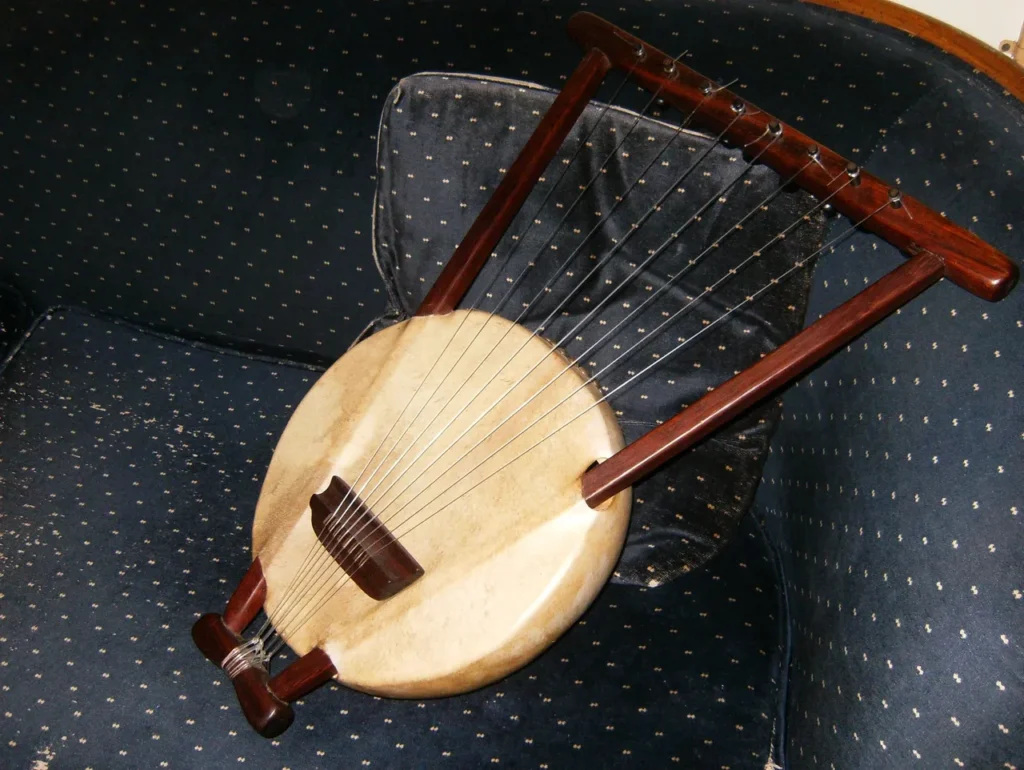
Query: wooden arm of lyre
(264, 701)
(911, 227)
(780, 367)
(501, 208)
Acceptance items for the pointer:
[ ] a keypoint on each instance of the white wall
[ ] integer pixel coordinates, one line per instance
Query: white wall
(991, 21)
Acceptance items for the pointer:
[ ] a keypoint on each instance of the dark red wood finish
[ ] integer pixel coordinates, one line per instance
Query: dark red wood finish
(264, 702)
(360, 542)
(213, 638)
(303, 676)
(248, 598)
(268, 714)
(913, 227)
(778, 368)
(477, 245)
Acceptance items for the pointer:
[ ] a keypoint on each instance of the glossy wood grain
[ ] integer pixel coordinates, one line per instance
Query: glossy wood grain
(501, 208)
(303, 676)
(268, 714)
(775, 370)
(361, 543)
(247, 599)
(213, 638)
(913, 227)
(264, 702)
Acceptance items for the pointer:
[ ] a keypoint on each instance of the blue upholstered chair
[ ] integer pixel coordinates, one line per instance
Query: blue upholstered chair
(203, 206)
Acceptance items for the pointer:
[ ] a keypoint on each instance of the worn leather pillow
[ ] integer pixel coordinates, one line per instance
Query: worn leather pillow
(445, 143)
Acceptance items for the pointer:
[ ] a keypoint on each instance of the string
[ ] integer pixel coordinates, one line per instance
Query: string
(750, 298)
(304, 568)
(531, 263)
(540, 328)
(586, 319)
(558, 273)
(610, 332)
(325, 558)
(517, 240)
(335, 522)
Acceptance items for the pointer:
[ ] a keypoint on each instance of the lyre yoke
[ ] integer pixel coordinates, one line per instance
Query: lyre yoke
(906, 223)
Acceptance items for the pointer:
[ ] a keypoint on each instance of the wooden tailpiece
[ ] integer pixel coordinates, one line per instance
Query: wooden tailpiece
(360, 542)
(264, 701)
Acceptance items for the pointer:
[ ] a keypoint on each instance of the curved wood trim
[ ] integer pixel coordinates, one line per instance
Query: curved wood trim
(988, 60)
(247, 600)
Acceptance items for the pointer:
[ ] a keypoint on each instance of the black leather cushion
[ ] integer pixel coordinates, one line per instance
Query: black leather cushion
(15, 316)
(442, 137)
(131, 463)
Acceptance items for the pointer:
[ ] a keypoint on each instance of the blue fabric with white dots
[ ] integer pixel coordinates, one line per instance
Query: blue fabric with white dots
(131, 464)
(145, 150)
(893, 489)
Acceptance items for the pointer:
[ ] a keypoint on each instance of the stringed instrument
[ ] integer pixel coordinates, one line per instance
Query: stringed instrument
(453, 492)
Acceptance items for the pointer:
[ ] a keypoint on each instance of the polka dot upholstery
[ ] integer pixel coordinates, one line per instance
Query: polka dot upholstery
(131, 464)
(893, 487)
(209, 172)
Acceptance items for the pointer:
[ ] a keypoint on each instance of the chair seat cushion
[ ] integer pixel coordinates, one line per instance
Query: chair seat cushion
(894, 483)
(129, 467)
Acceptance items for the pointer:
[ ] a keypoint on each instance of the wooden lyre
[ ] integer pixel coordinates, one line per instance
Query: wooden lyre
(935, 248)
